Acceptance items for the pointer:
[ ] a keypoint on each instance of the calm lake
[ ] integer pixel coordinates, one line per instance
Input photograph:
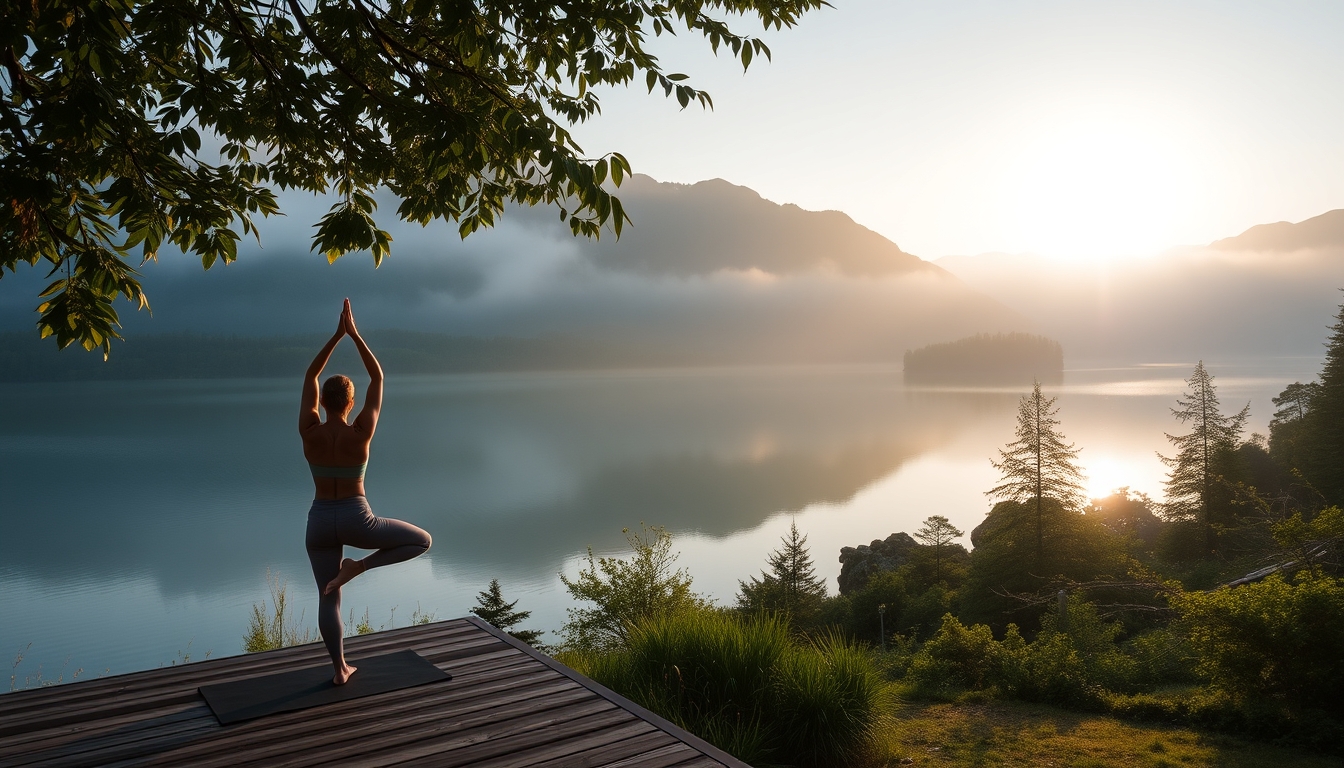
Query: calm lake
(140, 518)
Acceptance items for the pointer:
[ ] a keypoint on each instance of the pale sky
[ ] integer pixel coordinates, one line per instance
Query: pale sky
(1073, 129)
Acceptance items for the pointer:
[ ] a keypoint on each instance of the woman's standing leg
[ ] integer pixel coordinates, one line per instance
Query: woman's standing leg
(324, 554)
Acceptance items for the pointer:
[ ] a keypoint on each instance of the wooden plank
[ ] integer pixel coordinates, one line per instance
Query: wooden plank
(457, 750)
(597, 756)
(117, 703)
(672, 754)
(698, 762)
(137, 738)
(453, 732)
(572, 751)
(363, 645)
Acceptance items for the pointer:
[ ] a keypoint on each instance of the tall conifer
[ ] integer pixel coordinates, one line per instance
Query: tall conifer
(1203, 455)
(791, 585)
(1039, 464)
(1325, 422)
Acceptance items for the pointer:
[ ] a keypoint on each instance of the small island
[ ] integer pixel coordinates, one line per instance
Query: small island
(1000, 359)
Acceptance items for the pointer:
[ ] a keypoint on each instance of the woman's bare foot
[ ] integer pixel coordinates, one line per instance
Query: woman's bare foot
(343, 674)
(349, 570)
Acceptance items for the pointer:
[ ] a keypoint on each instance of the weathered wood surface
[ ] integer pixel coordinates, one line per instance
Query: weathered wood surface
(507, 706)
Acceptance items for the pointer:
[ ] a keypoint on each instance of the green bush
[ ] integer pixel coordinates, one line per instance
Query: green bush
(1070, 663)
(1161, 657)
(1076, 661)
(956, 658)
(747, 686)
(1273, 639)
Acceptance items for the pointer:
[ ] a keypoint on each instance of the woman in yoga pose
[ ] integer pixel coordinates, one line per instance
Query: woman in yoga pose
(337, 452)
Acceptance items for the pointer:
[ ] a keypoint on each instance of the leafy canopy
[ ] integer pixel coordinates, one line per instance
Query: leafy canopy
(126, 125)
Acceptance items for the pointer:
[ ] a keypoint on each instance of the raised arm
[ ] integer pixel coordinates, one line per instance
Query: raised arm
(308, 413)
(367, 420)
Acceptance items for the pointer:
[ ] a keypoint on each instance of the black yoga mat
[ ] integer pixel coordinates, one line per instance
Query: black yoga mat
(312, 687)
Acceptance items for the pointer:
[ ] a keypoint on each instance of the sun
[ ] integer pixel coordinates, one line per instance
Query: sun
(1098, 187)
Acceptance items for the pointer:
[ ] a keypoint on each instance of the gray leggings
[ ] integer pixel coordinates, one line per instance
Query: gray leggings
(334, 524)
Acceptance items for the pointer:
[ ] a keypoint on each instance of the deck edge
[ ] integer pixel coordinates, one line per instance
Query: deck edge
(654, 719)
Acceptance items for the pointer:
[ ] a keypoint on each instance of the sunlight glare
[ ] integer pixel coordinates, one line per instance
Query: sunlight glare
(1098, 188)
(1106, 474)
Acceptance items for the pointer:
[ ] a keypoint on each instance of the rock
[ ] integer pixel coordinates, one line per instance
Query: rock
(861, 563)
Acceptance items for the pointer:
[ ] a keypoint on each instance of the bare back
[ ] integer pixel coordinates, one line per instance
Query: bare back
(335, 444)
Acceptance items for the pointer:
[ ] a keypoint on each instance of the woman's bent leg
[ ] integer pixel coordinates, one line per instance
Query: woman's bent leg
(396, 541)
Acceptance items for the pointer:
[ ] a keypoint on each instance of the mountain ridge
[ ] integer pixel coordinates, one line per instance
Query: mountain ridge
(1323, 231)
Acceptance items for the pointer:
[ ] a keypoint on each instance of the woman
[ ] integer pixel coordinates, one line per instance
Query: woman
(337, 452)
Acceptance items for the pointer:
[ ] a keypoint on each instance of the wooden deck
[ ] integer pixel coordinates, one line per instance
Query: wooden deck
(507, 705)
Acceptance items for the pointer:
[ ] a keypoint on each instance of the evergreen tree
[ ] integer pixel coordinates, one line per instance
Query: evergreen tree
(1039, 465)
(937, 532)
(791, 585)
(1202, 457)
(1288, 440)
(495, 610)
(1324, 450)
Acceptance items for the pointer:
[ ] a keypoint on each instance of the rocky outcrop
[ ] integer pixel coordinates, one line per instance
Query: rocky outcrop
(861, 563)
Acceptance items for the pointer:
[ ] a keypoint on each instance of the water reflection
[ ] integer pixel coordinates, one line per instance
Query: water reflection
(140, 515)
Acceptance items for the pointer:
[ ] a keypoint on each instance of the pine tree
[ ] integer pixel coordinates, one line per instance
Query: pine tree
(1039, 464)
(791, 585)
(937, 532)
(1288, 438)
(1202, 456)
(493, 609)
(1325, 422)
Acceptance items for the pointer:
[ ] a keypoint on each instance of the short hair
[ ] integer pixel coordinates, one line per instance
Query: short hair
(338, 392)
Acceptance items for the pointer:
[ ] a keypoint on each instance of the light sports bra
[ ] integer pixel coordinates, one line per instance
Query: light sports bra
(352, 472)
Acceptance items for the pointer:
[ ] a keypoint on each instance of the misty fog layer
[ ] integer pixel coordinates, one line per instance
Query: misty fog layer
(1271, 291)
(708, 272)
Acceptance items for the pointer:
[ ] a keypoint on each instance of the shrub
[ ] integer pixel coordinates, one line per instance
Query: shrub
(1161, 657)
(626, 592)
(1271, 639)
(956, 658)
(746, 686)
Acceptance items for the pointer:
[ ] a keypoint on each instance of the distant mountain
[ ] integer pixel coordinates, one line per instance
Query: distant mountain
(707, 273)
(1324, 231)
(697, 229)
